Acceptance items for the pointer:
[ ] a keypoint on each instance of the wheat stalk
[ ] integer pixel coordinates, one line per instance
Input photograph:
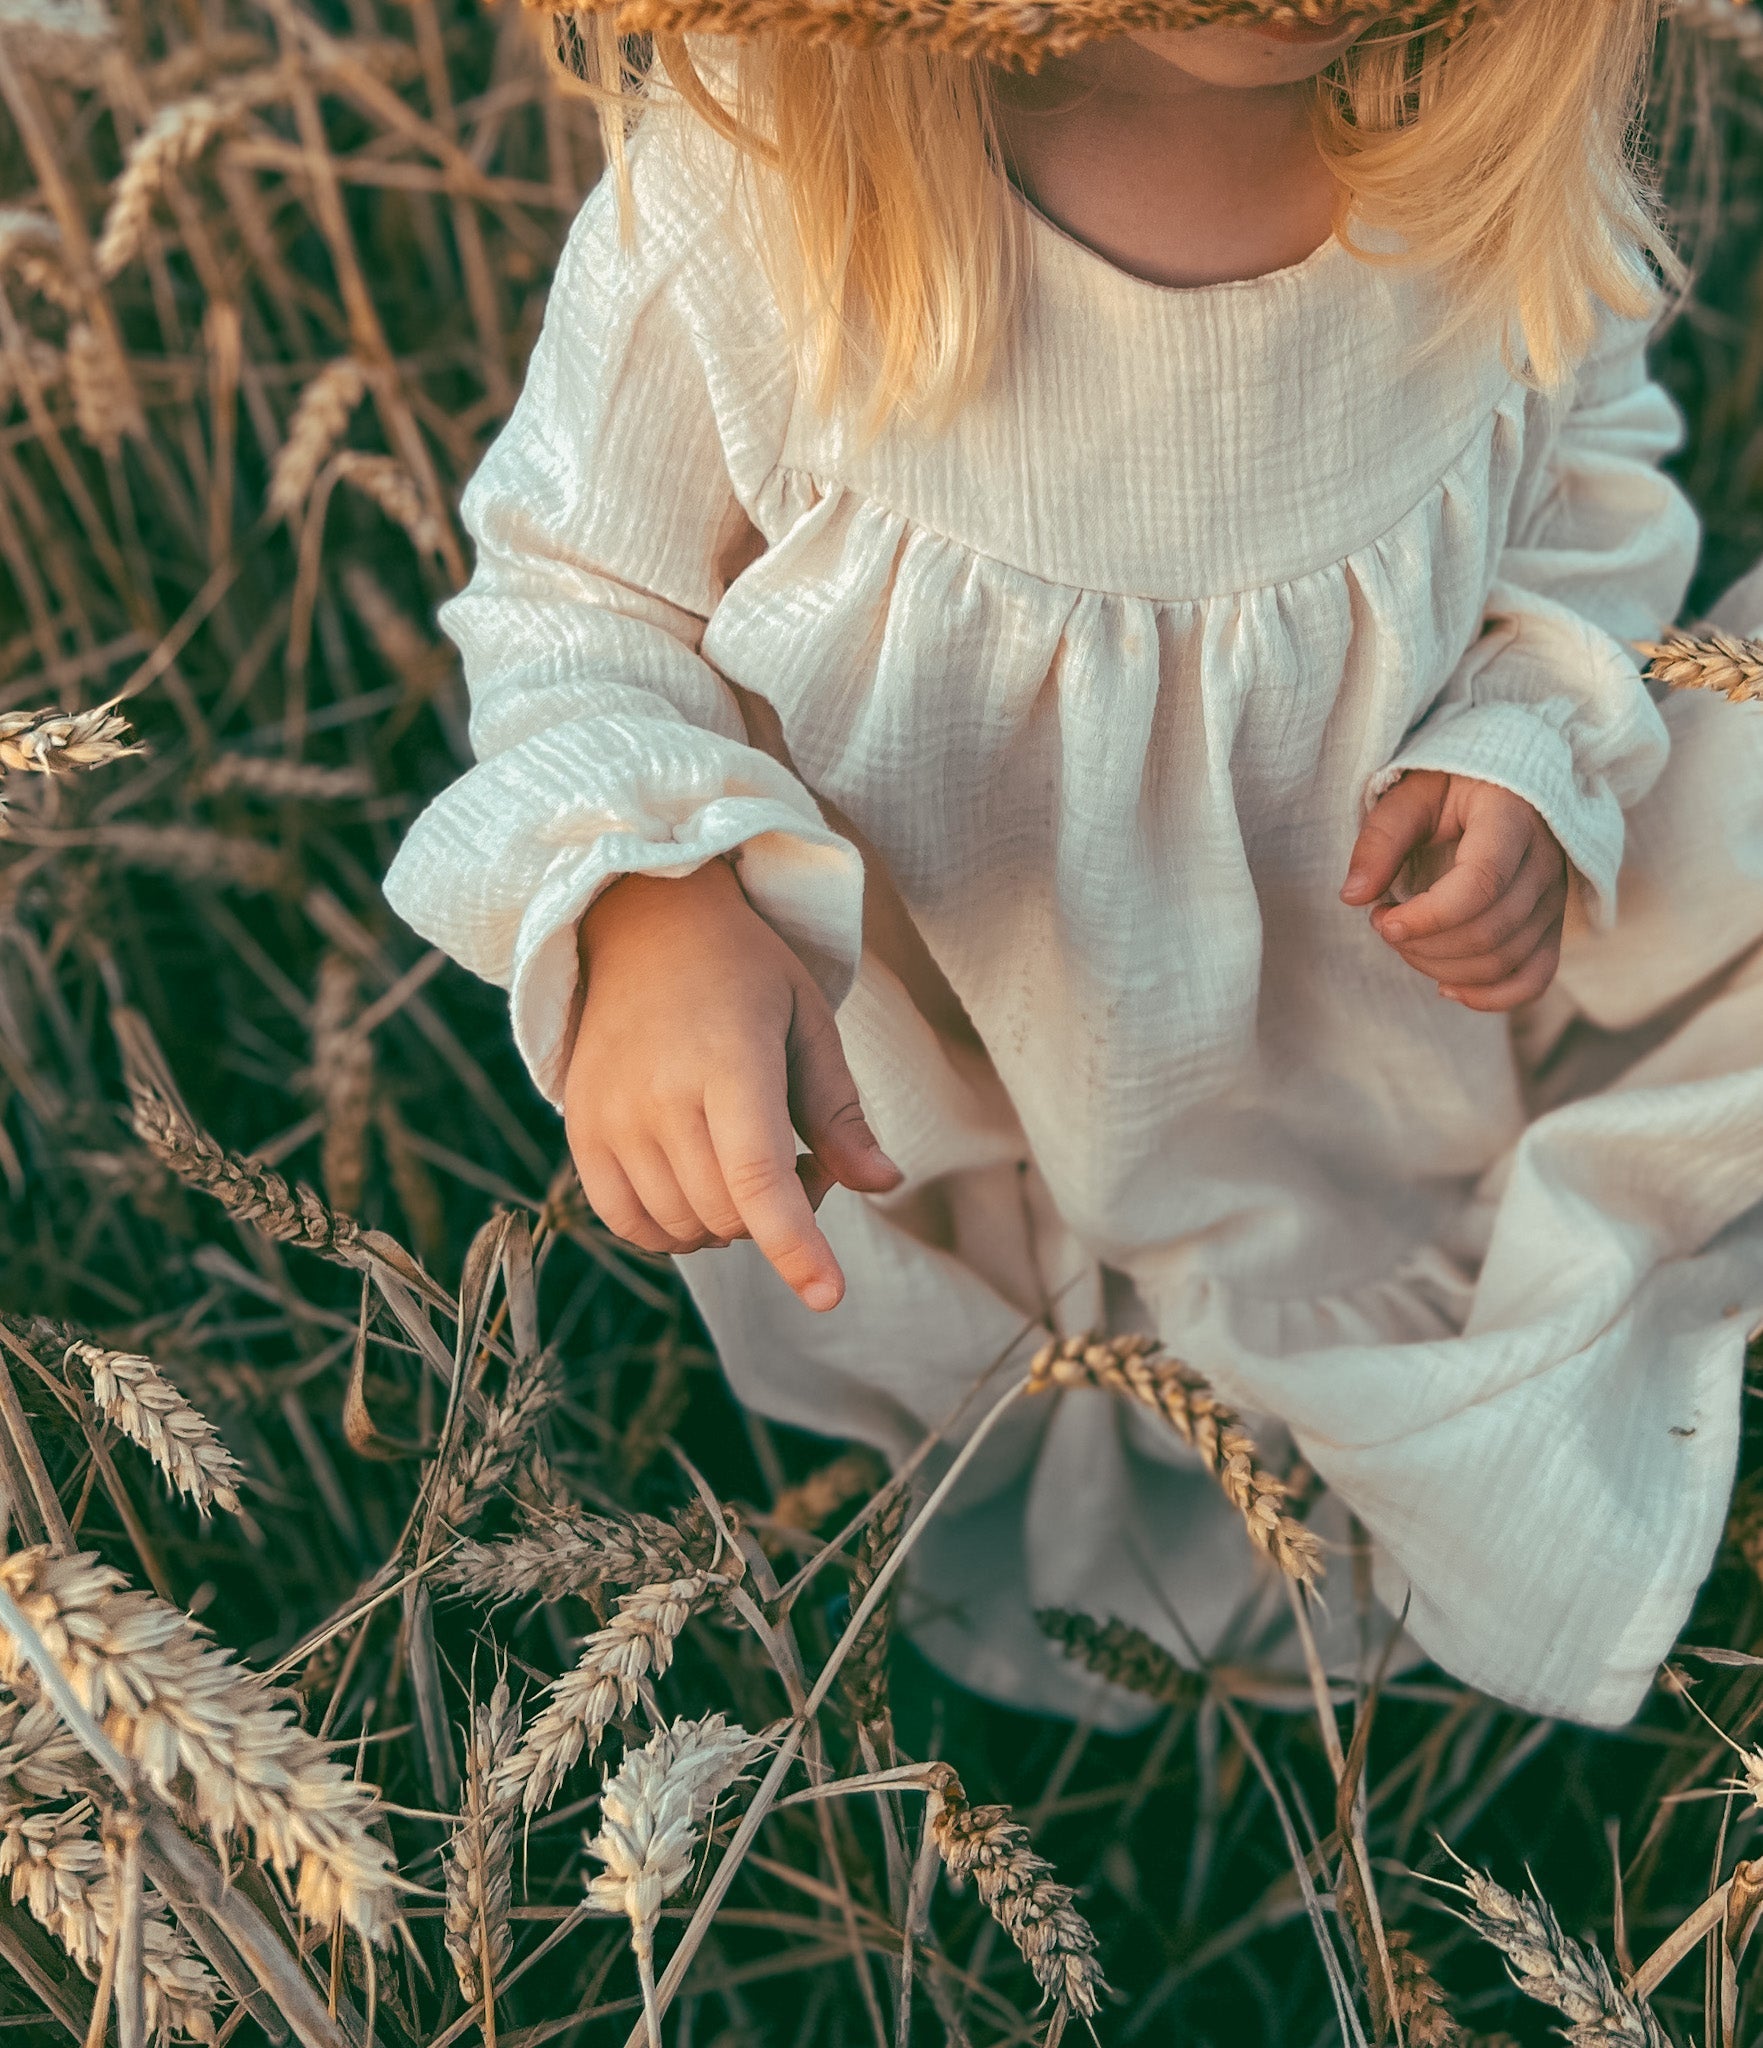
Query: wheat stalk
(341, 1076)
(1123, 1655)
(131, 1392)
(650, 1813)
(1718, 661)
(206, 1732)
(988, 1844)
(249, 1191)
(1555, 1970)
(479, 1862)
(320, 417)
(57, 1870)
(637, 1643)
(279, 779)
(1133, 1368)
(172, 141)
(388, 484)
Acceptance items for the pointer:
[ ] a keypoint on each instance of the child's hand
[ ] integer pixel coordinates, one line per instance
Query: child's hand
(1489, 930)
(702, 1039)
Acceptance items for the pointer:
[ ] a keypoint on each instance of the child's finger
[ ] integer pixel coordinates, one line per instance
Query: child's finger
(1488, 858)
(1523, 987)
(612, 1198)
(695, 1167)
(1541, 881)
(749, 1126)
(658, 1189)
(1497, 963)
(1403, 818)
(826, 1109)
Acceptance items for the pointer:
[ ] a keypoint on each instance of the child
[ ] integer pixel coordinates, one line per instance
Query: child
(1101, 543)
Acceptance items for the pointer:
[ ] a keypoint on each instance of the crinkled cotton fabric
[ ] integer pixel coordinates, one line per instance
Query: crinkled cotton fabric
(1095, 684)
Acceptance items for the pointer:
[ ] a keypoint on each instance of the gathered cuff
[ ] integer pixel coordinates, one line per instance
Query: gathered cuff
(1516, 748)
(503, 893)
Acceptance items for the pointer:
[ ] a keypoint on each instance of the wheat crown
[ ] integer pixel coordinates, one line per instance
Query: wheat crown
(1021, 31)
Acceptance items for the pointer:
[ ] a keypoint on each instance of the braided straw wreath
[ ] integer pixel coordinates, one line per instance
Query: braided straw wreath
(1020, 31)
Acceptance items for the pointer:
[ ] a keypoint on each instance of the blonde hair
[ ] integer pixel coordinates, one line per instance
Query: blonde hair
(1506, 156)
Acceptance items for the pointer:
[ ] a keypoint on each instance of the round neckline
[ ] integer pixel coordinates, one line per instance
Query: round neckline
(1288, 273)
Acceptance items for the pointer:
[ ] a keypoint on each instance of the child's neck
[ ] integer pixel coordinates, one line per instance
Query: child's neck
(1177, 181)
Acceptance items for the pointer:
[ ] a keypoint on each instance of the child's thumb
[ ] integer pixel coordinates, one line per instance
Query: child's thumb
(826, 1110)
(1403, 818)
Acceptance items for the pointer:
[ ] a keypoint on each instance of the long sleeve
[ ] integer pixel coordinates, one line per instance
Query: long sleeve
(1549, 702)
(606, 745)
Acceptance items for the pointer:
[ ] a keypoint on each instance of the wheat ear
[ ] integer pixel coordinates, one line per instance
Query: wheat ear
(576, 1555)
(650, 1813)
(247, 1190)
(172, 141)
(280, 780)
(863, 1677)
(988, 1844)
(207, 1733)
(341, 1076)
(1724, 21)
(131, 1392)
(40, 1758)
(53, 742)
(1720, 661)
(507, 1429)
(1123, 1655)
(104, 407)
(388, 484)
(320, 417)
(56, 1869)
(1556, 1970)
(636, 1644)
(1135, 1369)
(828, 1490)
(479, 1862)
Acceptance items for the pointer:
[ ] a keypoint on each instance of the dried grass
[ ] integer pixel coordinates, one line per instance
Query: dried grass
(1716, 661)
(267, 278)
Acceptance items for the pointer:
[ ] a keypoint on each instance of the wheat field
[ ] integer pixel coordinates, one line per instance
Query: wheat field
(403, 1638)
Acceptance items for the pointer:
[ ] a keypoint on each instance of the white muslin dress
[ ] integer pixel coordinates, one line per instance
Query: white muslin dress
(1043, 738)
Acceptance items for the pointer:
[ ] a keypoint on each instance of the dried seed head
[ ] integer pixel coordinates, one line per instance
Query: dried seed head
(650, 1812)
(1549, 1966)
(479, 1862)
(319, 420)
(573, 1555)
(1020, 1891)
(53, 742)
(385, 480)
(341, 1076)
(863, 1677)
(1123, 1655)
(195, 854)
(249, 1191)
(637, 1643)
(56, 1869)
(1719, 661)
(172, 141)
(1133, 1368)
(131, 1392)
(31, 250)
(507, 1429)
(39, 1757)
(829, 1490)
(282, 780)
(104, 407)
(206, 1733)
(61, 38)
(1737, 22)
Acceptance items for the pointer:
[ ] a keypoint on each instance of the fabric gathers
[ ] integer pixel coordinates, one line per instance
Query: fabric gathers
(1094, 687)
